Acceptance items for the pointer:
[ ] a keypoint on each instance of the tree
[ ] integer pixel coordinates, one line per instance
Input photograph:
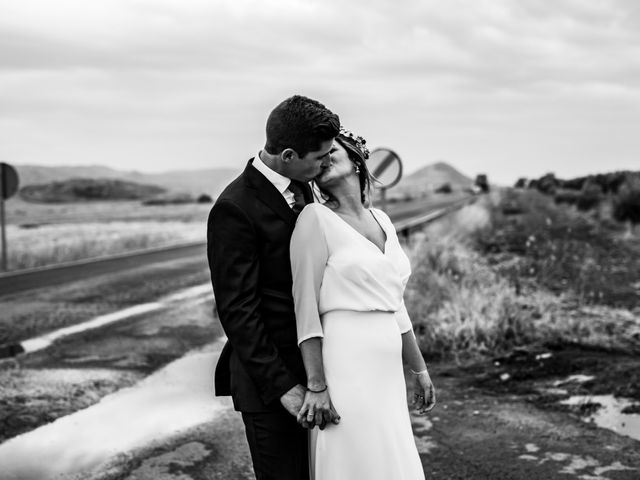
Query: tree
(521, 183)
(547, 184)
(482, 183)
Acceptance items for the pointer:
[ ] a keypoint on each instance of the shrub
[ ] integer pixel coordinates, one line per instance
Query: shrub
(590, 196)
(563, 252)
(567, 197)
(626, 207)
(464, 302)
(444, 188)
(547, 184)
(521, 183)
(204, 198)
(482, 183)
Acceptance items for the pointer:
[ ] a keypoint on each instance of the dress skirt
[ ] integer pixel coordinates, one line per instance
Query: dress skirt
(362, 355)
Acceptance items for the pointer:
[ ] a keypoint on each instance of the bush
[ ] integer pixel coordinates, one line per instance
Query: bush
(590, 196)
(567, 197)
(482, 183)
(521, 183)
(626, 207)
(444, 188)
(204, 198)
(547, 184)
(466, 303)
(459, 306)
(563, 252)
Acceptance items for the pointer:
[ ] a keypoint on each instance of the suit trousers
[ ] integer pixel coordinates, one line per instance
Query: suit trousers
(278, 446)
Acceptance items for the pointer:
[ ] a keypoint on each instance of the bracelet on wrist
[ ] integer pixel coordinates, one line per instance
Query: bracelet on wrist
(317, 391)
(419, 372)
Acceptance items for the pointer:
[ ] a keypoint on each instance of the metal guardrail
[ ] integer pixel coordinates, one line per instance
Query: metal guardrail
(12, 279)
(406, 226)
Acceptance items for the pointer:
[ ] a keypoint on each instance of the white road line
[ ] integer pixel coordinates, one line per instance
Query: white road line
(43, 341)
(187, 293)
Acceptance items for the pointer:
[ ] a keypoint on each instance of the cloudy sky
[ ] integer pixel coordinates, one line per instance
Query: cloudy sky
(506, 87)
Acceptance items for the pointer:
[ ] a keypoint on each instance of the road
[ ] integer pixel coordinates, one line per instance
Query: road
(17, 282)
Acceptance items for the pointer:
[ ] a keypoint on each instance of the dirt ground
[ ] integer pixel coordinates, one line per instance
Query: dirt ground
(480, 429)
(496, 419)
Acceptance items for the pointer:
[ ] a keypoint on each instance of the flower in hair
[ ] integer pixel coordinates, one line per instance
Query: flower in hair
(356, 140)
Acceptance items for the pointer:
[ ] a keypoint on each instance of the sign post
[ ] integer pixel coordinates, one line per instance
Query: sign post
(8, 187)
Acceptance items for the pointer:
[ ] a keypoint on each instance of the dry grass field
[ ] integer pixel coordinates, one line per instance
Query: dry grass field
(20, 212)
(47, 234)
(53, 244)
(485, 282)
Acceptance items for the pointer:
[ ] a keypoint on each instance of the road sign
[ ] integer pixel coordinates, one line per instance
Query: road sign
(8, 181)
(8, 187)
(386, 167)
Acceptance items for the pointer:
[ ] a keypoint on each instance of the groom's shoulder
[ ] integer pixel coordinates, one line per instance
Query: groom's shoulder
(236, 190)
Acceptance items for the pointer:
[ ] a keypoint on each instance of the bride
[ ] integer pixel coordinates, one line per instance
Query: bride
(349, 275)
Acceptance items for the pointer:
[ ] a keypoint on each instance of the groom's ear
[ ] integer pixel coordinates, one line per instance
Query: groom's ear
(288, 155)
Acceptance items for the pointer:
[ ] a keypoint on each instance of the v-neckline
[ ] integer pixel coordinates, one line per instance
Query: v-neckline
(382, 250)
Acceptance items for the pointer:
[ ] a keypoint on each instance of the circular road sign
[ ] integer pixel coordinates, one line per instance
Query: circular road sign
(385, 166)
(8, 181)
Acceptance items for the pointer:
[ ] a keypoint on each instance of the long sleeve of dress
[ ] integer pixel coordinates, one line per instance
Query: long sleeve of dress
(309, 255)
(402, 317)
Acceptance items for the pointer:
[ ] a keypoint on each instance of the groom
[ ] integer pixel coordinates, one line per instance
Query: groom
(248, 236)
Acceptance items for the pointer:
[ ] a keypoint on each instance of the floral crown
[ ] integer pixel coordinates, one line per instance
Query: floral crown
(356, 141)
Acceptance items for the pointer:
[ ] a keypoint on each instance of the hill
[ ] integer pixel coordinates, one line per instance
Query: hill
(83, 189)
(427, 179)
(211, 181)
(192, 182)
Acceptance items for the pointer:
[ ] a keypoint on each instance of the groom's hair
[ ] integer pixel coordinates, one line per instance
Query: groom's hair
(302, 124)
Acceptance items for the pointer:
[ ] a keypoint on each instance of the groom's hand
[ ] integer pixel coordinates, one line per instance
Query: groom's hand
(317, 411)
(292, 400)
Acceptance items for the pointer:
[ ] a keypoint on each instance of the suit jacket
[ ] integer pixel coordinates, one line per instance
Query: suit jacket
(248, 236)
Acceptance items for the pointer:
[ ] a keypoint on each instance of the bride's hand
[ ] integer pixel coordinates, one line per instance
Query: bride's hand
(317, 410)
(424, 397)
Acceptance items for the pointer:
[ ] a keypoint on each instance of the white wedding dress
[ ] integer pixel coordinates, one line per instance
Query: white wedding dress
(349, 292)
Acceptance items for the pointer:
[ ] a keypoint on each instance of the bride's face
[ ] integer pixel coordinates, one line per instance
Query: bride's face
(340, 166)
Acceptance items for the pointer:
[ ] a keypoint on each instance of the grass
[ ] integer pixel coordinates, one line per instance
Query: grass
(20, 212)
(58, 243)
(40, 234)
(563, 251)
(482, 286)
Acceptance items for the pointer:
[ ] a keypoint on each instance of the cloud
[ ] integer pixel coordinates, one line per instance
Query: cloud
(516, 86)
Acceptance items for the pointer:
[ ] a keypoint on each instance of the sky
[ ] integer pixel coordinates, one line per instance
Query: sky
(508, 88)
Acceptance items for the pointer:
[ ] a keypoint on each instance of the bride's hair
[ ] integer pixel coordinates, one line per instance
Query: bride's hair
(357, 157)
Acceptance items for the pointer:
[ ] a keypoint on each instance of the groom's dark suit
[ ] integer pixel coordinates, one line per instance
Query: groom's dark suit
(248, 236)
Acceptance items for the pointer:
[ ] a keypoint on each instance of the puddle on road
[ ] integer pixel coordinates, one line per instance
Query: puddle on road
(609, 415)
(173, 399)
